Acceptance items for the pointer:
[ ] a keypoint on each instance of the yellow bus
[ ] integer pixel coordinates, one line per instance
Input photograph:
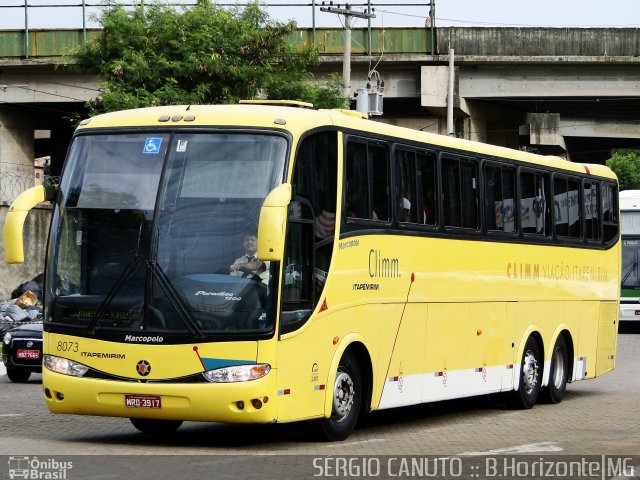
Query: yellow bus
(394, 267)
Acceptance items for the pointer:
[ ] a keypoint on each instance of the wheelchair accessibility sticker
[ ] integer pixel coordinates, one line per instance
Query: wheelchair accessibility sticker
(152, 145)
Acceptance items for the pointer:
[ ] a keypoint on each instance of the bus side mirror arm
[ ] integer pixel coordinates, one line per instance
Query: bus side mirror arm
(14, 222)
(272, 224)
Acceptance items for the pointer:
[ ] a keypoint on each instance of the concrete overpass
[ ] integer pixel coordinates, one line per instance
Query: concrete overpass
(570, 91)
(567, 91)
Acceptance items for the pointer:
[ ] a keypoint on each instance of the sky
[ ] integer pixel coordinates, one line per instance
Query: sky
(389, 13)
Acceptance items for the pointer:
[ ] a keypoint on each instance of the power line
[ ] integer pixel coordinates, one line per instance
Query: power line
(102, 5)
(30, 89)
(35, 107)
(192, 3)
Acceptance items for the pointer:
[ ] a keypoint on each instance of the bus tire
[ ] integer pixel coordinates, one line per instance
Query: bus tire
(528, 390)
(558, 373)
(346, 400)
(155, 427)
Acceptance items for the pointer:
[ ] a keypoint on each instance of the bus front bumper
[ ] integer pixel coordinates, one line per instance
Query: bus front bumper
(239, 402)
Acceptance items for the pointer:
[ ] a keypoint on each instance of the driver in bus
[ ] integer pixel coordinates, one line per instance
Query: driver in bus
(248, 264)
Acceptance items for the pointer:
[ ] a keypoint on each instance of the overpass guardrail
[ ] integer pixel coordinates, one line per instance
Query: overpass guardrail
(513, 43)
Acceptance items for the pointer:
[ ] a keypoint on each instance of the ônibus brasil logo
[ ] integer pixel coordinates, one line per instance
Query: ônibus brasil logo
(32, 467)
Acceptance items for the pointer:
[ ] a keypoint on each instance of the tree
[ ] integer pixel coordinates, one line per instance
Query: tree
(626, 165)
(157, 55)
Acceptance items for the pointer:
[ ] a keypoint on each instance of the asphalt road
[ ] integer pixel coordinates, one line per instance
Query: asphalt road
(597, 418)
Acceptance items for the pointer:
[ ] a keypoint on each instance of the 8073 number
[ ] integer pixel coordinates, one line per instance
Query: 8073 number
(67, 346)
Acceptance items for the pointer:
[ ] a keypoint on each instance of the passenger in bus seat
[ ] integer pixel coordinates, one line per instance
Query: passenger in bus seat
(248, 264)
(406, 210)
(428, 217)
(355, 208)
(351, 205)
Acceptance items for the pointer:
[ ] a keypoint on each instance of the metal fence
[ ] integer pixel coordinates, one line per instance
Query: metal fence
(30, 14)
(32, 28)
(13, 184)
(25, 15)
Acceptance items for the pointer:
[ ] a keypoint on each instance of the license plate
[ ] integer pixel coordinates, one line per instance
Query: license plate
(30, 354)
(142, 401)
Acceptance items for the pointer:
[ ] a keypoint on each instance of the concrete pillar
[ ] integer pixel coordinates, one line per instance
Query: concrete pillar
(36, 229)
(475, 125)
(434, 84)
(543, 130)
(16, 154)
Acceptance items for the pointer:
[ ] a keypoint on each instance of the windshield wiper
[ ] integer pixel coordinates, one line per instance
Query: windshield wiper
(128, 270)
(175, 300)
(166, 286)
(632, 267)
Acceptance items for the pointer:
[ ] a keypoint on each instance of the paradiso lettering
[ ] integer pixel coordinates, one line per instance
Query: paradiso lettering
(558, 271)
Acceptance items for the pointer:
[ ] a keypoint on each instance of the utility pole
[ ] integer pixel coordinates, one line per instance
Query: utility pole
(313, 22)
(84, 23)
(450, 99)
(26, 28)
(346, 58)
(432, 26)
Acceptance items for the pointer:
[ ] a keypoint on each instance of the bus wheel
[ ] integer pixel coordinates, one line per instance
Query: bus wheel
(347, 400)
(529, 382)
(558, 373)
(155, 427)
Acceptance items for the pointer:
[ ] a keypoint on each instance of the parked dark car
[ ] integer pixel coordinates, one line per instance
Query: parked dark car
(22, 351)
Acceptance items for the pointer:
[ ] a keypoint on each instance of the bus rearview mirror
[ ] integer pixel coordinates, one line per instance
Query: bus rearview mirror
(272, 224)
(14, 222)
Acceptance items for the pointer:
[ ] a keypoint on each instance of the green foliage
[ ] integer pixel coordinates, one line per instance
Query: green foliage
(205, 54)
(626, 165)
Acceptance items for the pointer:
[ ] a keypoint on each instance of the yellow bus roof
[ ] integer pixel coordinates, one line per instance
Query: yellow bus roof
(284, 116)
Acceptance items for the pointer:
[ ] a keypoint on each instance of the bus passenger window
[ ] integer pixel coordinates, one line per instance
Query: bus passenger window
(450, 193)
(566, 207)
(379, 180)
(356, 201)
(499, 192)
(367, 181)
(591, 211)
(427, 184)
(407, 186)
(609, 211)
(534, 206)
(416, 186)
(460, 193)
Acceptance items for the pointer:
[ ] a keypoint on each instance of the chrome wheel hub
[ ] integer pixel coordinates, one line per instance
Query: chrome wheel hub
(343, 395)
(530, 372)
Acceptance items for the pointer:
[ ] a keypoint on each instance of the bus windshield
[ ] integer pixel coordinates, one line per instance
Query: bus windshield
(630, 273)
(148, 226)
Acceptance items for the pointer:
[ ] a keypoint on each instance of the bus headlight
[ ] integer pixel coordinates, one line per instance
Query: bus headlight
(238, 373)
(64, 366)
(7, 338)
